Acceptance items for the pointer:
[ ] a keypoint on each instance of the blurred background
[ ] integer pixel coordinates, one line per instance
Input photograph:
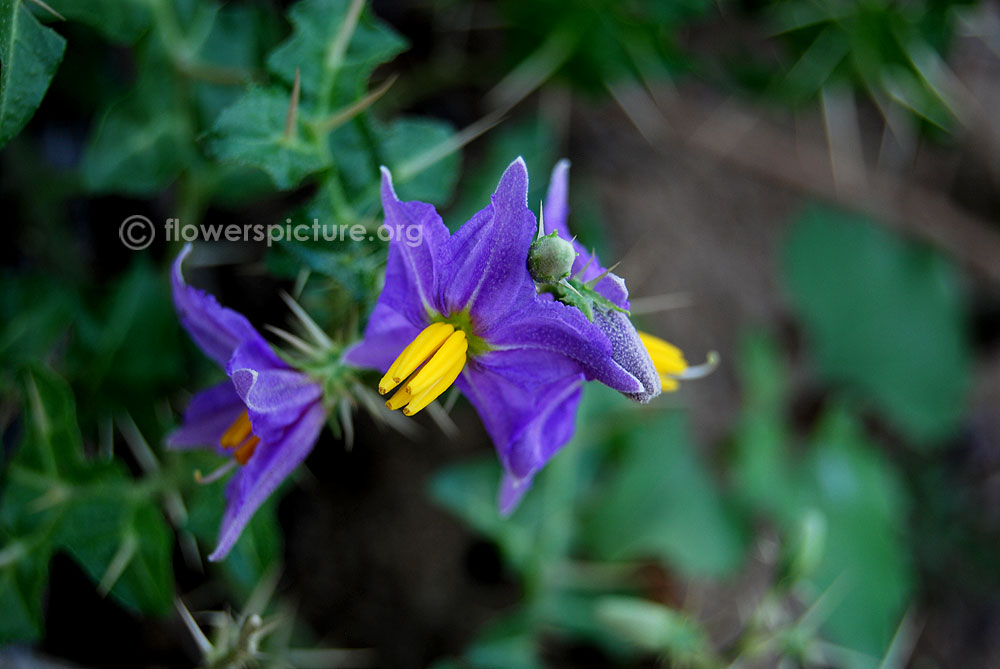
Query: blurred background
(809, 187)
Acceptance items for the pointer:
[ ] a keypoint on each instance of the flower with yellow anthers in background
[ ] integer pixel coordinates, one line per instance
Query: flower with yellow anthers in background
(267, 415)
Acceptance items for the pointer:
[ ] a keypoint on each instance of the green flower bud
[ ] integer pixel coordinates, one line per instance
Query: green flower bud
(550, 258)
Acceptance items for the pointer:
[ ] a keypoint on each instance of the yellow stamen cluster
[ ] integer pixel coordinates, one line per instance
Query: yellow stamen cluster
(439, 352)
(239, 436)
(667, 358)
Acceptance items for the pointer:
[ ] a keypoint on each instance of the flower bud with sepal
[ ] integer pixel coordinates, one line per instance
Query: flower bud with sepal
(551, 258)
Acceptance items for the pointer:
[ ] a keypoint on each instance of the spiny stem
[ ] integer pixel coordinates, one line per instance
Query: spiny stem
(345, 114)
(293, 106)
(422, 161)
(126, 551)
(138, 445)
(307, 322)
(200, 640)
(49, 10)
(600, 277)
(338, 47)
(586, 264)
(297, 342)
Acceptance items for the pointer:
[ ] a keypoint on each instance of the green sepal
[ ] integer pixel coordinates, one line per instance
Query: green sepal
(575, 293)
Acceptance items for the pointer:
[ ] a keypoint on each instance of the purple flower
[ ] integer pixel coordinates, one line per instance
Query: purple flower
(657, 363)
(267, 415)
(465, 307)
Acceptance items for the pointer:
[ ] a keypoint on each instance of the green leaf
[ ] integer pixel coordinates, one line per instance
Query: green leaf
(144, 139)
(29, 56)
(840, 505)
(885, 319)
(121, 542)
(332, 69)
(762, 465)
(662, 502)
(469, 490)
(35, 312)
(353, 149)
(420, 154)
(52, 447)
(231, 55)
(866, 563)
(251, 132)
(129, 346)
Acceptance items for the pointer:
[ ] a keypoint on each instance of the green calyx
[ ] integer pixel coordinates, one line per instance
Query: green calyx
(575, 293)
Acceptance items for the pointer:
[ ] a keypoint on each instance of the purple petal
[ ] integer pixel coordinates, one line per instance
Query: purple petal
(486, 259)
(557, 200)
(410, 273)
(270, 464)
(208, 415)
(216, 329)
(274, 394)
(387, 334)
(628, 352)
(587, 265)
(563, 331)
(527, 400)
(512, 491)
(552, 429)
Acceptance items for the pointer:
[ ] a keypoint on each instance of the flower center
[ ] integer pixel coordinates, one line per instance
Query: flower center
(239, 436)
(667, 358)
(435, 358)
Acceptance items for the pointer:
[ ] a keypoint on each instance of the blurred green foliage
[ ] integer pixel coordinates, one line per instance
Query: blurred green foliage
(662, 502)
(885, 319)
(628, 490)
(890, 50)
(226, 105)
(55, 498)
(838, 489)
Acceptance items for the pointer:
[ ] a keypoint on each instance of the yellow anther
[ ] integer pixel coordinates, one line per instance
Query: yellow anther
(451, 351)
(237, 432)
(246, 450)
(421, 348)
(667, 359)
(399, 399)
(434, 391)
(434, 359)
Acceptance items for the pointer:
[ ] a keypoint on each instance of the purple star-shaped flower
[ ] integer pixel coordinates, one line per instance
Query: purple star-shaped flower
(465, 307)
(267, 415)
